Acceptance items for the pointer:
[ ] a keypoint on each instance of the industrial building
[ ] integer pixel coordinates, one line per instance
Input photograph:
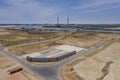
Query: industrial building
(53, 54)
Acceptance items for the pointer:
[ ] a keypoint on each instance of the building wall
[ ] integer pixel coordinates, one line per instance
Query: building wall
(31, 59)
(66, 55)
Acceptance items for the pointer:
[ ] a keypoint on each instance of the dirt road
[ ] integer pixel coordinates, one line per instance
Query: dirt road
(49, 72)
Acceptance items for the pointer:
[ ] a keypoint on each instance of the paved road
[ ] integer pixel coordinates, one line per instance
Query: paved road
(49, 72)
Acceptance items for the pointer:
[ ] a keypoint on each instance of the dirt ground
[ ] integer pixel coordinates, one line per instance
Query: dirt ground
(68, 72)
(82, 39)
(6, 64)
(103, 66)
(33, 48)
(87, 40)
(14, 37)
(4, 32)
(117, 28)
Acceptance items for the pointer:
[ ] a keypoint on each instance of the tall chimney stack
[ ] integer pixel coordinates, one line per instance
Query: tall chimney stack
(57, 20)
(67, 20)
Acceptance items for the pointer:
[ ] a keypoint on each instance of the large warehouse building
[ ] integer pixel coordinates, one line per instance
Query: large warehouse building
(53, 54)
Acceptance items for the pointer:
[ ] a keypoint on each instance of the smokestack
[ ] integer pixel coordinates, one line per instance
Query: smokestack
(67, 20)
(57, 20)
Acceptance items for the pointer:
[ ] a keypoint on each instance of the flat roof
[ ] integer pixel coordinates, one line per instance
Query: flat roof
(69, 48)
(54, 52)
(47, 54)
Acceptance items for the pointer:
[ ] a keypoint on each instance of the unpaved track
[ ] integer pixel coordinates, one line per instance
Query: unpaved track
(49, 72)
(45, 41)
(105, 65)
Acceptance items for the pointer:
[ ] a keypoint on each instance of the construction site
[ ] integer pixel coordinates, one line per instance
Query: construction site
(67, 51)
(9, 70)
(53, 54)
(59, 39)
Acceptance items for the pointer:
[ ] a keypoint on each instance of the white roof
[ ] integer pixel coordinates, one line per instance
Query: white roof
(59, 50)
(69, 48)
(32, 55)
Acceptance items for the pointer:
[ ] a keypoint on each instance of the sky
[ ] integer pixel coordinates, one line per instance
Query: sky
(46, 11)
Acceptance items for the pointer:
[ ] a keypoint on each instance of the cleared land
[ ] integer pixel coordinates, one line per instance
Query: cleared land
(30, 49)
(86, 40)
(103, 66)
(117, 28)
(81, 39)
(14, 37)
(3, 32)
(68, 72)
(6, 64)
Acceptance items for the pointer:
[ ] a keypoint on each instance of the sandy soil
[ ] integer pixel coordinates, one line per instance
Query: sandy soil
(117, 28)
(4, 32)
(33, 48)
(6, 64)
(103, 66)
(14, 37)
(82, 39)
(88, 39)
(68, 72)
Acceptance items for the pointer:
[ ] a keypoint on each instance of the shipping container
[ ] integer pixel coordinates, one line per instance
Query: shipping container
(17, 69)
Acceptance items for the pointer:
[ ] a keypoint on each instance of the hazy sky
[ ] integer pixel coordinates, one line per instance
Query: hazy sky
(46, 11)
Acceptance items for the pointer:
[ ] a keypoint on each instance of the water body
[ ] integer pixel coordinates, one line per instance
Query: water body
(71, 29)
(102, 31)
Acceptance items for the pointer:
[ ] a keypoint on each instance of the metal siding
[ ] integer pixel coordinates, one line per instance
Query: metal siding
(43, 59)
(51, 59)
(66, 55)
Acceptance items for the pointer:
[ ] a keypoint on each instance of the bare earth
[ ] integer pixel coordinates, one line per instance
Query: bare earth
(82, 39)
(6, 64)
(14, 37)
(103, 66)
(117, 28)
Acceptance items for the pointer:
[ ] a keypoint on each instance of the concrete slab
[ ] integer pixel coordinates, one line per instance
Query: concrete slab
(54, 52)
(69, 48)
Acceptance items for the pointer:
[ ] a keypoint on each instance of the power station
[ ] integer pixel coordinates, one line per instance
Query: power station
(67, 20)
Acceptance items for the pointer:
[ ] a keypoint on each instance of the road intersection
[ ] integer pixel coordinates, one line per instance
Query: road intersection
(49, 72)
